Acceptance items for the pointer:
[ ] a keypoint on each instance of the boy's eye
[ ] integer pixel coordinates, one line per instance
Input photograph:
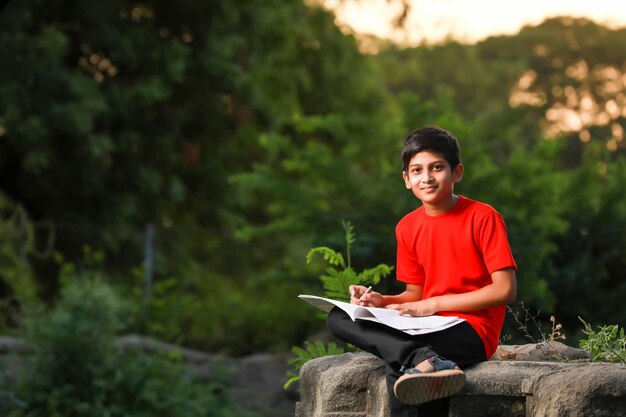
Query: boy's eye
(438, 167)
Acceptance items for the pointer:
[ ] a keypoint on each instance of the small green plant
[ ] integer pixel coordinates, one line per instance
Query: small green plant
(336, 283)
(607, 344)
(313, 350)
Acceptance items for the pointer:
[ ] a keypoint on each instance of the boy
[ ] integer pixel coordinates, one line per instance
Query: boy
(454, 257)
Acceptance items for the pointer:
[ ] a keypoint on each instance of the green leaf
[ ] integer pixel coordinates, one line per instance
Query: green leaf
(312, 350)
(604, 345)
(332, 257)
(373, 276)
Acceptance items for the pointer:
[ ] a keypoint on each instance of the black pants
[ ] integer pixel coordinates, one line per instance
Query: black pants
(459, 343)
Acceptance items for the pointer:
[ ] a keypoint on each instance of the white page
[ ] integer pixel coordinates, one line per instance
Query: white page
(391, 318)
(414, 332)
(327, 304)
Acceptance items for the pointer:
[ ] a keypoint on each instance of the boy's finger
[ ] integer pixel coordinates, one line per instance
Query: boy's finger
(352, 290)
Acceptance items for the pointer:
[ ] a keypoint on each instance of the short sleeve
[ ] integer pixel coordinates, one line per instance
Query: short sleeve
(492, 239)
(408, 268)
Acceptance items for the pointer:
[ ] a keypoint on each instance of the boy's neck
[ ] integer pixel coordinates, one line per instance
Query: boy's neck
(441, 207)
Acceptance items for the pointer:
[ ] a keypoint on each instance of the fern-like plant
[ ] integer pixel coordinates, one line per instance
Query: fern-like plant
(313, 350)
(336, 282)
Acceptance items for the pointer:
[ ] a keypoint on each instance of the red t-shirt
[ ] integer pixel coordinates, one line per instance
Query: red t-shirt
(453, 253)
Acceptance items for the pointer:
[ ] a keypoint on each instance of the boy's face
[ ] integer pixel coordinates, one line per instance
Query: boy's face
(432, 180)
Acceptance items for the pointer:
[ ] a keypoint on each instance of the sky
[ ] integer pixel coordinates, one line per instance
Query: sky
(467, 20)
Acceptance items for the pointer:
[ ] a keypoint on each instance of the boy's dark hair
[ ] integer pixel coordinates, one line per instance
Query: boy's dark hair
(434, 139)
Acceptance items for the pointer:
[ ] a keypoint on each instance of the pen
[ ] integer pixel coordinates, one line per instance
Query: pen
(366, 291)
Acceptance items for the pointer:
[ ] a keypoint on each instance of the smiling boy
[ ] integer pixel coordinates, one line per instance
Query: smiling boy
(454, 257)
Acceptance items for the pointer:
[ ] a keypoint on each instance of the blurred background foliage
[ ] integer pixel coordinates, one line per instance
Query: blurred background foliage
(243, 133)
(77, 369)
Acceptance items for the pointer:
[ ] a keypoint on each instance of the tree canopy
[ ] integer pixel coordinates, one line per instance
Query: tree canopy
(247, 131)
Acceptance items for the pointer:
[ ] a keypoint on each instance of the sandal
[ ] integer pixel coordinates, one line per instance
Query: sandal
(417, 387)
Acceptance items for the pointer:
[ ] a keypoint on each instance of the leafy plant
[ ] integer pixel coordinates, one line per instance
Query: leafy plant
(78, 370)
(607, 344)
(312, 350)
(336, 282)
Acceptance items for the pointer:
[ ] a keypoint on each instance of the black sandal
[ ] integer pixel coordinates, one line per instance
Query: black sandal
(417, 387)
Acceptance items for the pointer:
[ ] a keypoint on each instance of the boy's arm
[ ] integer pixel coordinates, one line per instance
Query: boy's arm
(373, 299)
(502, 290)
(412, 293)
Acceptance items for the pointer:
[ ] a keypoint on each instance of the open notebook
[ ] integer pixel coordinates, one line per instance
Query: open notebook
(391, 318)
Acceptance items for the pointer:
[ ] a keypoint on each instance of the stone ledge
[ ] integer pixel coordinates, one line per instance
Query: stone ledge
(353, 385)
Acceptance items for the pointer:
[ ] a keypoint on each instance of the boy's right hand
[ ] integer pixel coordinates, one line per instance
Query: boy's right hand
(371, 299)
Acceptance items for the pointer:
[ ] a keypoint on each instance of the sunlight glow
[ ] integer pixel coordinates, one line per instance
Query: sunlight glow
(469, 21)
(594, 95)
(576, 109)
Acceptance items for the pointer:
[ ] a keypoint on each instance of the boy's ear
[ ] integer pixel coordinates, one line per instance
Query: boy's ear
(407, 184)
(457, 173)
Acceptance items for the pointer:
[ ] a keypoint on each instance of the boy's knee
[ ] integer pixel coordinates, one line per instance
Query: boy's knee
(334, 319)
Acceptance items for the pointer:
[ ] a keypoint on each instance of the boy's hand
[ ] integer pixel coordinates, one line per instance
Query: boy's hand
(426, 307)
(371, 299)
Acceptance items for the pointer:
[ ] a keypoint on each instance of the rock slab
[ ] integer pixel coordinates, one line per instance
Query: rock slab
(353, 385)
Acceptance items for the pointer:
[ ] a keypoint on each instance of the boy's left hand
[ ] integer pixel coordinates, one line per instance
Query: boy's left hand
(426, 307)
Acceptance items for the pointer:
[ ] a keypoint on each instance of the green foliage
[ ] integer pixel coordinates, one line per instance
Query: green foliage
(336, 285)
(240, 318)
(531, 236)
(332, 257)
(591, 279)
(313, 350)
(168, 312)
(336, 282)
(104, 128)
(79, 371)
(18, 288)
(607, 344)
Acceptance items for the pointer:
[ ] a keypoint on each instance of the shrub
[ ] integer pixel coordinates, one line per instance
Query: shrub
(607, 344)
(77, 369)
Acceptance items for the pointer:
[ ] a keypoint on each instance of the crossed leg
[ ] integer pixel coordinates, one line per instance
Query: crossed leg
(459, 343)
